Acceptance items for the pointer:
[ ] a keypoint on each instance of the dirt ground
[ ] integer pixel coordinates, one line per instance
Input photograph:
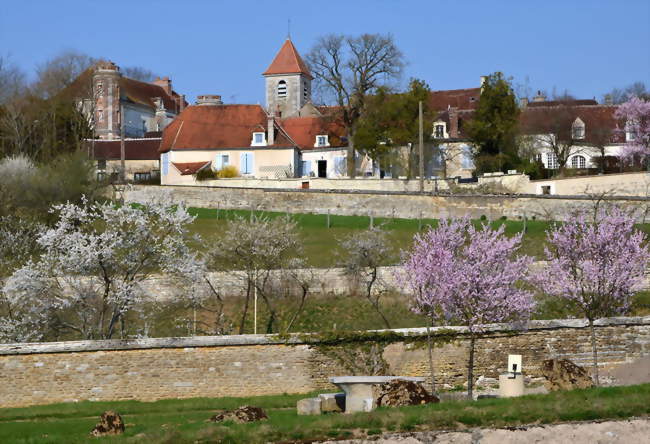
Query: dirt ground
(635, 431)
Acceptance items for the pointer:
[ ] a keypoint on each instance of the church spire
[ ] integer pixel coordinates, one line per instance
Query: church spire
(287, 61)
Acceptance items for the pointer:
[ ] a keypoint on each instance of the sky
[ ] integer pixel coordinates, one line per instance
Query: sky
(586, 47)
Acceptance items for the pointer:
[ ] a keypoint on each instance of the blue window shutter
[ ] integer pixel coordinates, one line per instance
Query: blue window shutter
(307, 167)
(242, 163)
(165, 163)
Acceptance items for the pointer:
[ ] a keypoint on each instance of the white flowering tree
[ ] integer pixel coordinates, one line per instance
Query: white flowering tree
(87, 278)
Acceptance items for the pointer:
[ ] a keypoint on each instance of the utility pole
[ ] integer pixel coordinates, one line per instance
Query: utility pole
(122, 147)
(421, 147)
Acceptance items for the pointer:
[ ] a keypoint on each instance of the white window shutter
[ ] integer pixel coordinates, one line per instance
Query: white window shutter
(218, 162)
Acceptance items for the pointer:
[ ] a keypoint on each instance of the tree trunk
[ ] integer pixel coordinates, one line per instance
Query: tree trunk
(248, 298)
(594, 351)
(352, 161)
(430, 347)
(470, 367)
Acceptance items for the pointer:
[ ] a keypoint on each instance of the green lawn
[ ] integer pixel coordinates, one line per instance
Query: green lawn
(185, 421)
(321, 243)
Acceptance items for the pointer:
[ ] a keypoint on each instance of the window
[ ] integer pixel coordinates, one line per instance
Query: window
(220, 161)
(321, 140)
(467, 159)
(246, 163)
(578, 162)
(551, 161)
(630, 130)
(100, 115)
(546, 189)
(282, 88)
(578, 129)
(258, 139)
(141, 177)
(439, 131)
(305, 90)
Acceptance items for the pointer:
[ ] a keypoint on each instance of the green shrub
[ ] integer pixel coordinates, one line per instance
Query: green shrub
(206, 174)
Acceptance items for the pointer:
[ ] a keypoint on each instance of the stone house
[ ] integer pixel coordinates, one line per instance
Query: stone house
(290, 137)
(141, 158)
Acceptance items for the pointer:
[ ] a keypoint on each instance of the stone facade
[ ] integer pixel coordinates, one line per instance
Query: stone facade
(380, 204)
(151, 369)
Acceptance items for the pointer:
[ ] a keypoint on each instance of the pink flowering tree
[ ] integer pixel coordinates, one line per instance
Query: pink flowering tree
(596, 266)
(636, 113)
(462, 274)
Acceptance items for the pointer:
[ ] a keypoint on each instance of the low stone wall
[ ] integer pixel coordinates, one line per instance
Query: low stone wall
(216, 366)
(380, 204)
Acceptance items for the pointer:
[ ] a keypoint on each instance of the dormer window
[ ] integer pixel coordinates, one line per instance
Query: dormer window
(440, 130)
(321, 140)
(259, 139)
(578, 129)
(282, 88)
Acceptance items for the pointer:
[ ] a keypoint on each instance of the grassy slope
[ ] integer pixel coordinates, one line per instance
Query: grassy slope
(321, 242)
(181, 421)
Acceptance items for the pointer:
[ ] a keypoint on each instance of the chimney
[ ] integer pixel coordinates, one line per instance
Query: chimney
(483, 80)
(208, 100)
(609, 100)
(453, 122)
(270, 130)
(539, 97)
(523, 102)
(181, 103)
(165, 83)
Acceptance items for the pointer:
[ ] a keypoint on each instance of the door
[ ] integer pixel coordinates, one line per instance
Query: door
(322, 168)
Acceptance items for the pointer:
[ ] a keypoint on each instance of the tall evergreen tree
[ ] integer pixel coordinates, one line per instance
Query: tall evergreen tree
(493, 129)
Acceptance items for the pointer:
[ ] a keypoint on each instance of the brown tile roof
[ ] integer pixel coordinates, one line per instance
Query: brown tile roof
(457, 98)
(599, 121)
(144, 93)
(303, 130)
(577, 102)
(134, 149)
(190, 167)
(287, 61)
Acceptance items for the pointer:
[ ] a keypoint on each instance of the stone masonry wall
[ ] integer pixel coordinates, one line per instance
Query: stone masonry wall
(151, 369)
(379, 204)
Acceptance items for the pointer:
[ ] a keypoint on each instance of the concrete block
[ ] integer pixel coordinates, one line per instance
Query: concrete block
(332, 402)
(511, 387)
(309, 406)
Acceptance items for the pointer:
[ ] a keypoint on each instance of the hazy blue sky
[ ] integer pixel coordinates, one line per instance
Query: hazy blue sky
(222, 47)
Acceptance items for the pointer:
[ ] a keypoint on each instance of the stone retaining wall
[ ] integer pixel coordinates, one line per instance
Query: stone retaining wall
(151, 369)
(379, 204)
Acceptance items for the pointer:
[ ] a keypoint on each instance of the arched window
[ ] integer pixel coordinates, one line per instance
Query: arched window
(578, 129)
(578, 162)
(282, 88)
(305, 90)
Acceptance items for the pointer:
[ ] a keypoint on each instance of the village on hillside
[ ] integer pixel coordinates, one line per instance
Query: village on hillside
(363, 256)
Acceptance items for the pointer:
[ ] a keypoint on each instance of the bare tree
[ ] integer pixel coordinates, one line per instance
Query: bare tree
(139, 73)
(12, 80)
(59, 72)
(347, 69)
(363, 254)
(257, 248)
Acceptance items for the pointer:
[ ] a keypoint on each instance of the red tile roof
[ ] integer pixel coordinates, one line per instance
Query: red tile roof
(221, 126)
(189, 168)
(232, 126)
(303, 130)
(457, 98)
(576, 102)
(144, 93)
(287, 61)
(134, 149)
